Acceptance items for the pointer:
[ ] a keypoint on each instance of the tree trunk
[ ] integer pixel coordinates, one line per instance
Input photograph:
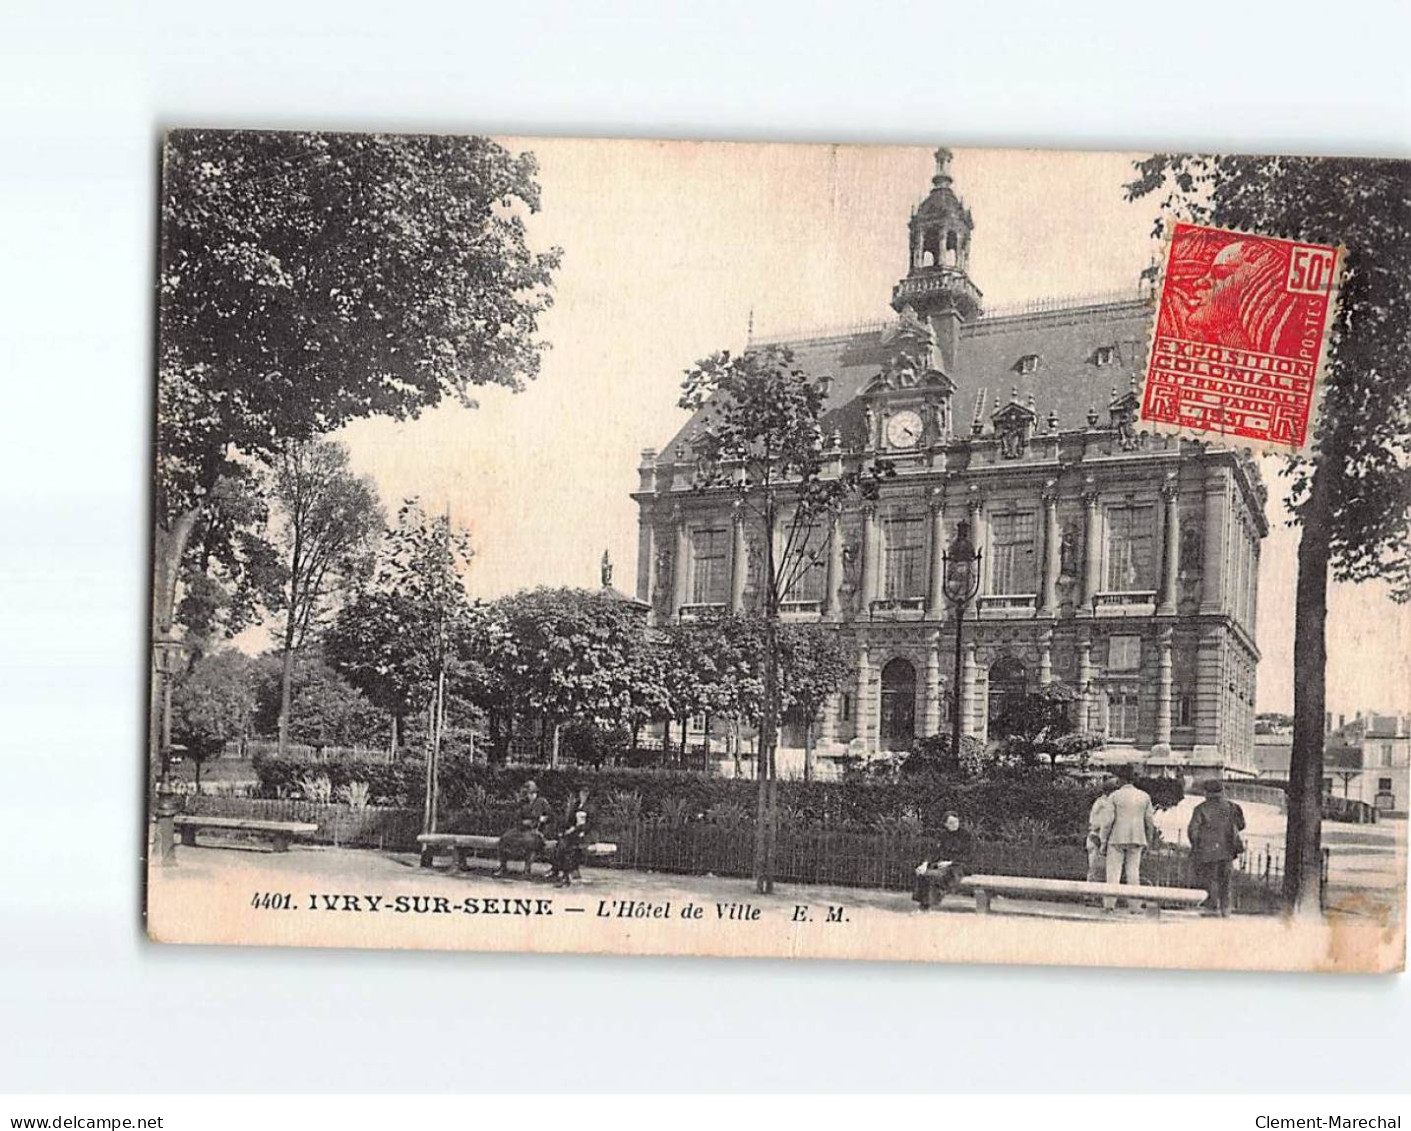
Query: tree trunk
(168, 548)
(681, 754)
(286, 682)
(1303, 844)
(768, 738)
(808, 748)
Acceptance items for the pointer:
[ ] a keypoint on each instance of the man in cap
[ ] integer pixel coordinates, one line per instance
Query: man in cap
(525, 840)
(1215, 841)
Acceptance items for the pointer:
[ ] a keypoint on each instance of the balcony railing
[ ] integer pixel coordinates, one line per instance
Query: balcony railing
(800, 608)
(899, 605)
(1118, 602)
(700, 609)
(1007, 604)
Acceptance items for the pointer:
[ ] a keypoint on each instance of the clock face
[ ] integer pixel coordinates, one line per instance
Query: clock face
(904, 429)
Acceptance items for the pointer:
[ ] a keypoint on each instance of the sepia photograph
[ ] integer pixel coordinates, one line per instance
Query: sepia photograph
(780, 550)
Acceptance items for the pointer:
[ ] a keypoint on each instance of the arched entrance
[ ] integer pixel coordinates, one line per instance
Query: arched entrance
(1008, 689)
(898, 730)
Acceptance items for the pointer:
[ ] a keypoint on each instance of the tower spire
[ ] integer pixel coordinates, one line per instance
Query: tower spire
(943, 158)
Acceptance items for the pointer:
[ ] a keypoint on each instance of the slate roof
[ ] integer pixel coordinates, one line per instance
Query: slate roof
(1065, 337)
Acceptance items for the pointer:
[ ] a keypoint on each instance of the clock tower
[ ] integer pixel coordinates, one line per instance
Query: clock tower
(909, 402)
(937, 287)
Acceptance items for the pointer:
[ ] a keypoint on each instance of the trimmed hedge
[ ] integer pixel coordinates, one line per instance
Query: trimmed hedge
(621, 796)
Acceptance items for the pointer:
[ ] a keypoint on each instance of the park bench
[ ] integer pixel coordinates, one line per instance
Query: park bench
(464, 845)
(279, 833)
(1152, 898)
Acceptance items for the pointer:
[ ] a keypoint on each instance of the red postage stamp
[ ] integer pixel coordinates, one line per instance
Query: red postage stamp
(1241, 332)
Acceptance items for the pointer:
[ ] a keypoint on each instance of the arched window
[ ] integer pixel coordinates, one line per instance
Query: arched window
(931, 247)
(898, 730)
(1008, 693)
(952, 249)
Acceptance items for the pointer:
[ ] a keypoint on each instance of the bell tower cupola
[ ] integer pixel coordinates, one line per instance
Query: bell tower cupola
(937, 285)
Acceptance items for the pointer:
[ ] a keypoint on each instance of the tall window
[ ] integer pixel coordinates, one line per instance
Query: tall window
(1131, 544)
(1122, 716)
(812, 566)
(1185, 709)
(710, 567)
(1012, 553)
(906, 558)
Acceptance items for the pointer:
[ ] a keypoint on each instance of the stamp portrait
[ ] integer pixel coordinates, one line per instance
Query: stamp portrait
(1241, 329)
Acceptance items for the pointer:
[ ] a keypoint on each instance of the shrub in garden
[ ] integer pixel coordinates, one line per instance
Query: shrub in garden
(487, 794)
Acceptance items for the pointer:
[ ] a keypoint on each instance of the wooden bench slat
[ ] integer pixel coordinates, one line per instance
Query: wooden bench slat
(253, 824)
(1015, 885)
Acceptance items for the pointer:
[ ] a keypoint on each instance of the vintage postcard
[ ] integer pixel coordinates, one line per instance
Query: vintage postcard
(797, 551)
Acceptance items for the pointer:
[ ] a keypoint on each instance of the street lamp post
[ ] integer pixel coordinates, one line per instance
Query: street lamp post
(168, 656)
(960, 566)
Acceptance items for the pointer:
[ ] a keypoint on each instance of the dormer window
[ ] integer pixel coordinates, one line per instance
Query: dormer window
(1105, 355)
(1029, 363)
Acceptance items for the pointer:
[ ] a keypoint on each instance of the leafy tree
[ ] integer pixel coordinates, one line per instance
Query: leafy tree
(1351, 499)
(230, 572)
(1040, 725)
(559, 653)
(710, 665)
(324, 708)
(213, 704)
(758, 437)
(392, 640)
(813, 664)
(330, 517)
(306, 280)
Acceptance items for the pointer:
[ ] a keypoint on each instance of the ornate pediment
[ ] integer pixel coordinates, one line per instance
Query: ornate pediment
(1122, 415)
(1013, 425)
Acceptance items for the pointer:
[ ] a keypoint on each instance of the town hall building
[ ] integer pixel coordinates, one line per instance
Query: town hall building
(1120, 564)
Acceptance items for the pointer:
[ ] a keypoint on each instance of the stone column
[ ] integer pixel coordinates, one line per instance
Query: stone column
(832, 601)
(1048, 583)
(859, 713)
(870, 548)
(1212, 582)
(1046, 658)
(828, 722)
(1172, 549)
(968, 714)
(931, 721)
(935, 577)
(1085, 679)
(646, 559)
(1092, 548)
(974, 514)
(739, 561)
(679, 566)
(1163, 689)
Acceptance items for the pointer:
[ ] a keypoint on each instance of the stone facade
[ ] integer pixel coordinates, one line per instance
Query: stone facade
(1121, 564)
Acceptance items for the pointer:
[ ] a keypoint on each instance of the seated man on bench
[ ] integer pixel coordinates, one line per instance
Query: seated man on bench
(943, 869)
(525, 840)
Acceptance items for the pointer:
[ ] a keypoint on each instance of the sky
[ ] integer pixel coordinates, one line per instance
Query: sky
(671, 248)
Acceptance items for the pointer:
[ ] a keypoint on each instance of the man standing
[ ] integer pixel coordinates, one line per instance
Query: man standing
(1100, 818)
(1215, 841)
(1132, 829)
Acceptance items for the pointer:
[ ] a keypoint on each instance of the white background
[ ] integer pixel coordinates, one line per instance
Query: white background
(84, 90)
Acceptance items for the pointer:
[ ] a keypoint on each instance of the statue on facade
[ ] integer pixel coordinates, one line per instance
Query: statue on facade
(663, 585)
(1190, 559)
(1069, 542)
